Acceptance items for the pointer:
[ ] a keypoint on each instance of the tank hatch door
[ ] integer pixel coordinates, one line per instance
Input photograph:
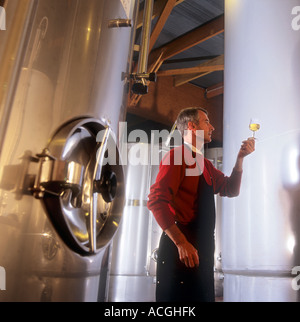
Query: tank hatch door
(80, 180)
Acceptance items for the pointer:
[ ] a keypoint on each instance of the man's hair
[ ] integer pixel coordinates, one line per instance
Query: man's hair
(187, 115)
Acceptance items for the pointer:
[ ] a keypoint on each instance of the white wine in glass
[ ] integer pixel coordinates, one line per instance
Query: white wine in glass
(254, 126)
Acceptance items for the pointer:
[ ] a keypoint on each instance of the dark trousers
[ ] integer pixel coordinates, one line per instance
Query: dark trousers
(178, 283)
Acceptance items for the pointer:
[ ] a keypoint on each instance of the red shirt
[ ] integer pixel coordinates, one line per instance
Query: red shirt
(173, 197)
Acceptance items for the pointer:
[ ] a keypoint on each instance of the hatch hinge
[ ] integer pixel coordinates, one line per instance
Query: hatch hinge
(53, 176)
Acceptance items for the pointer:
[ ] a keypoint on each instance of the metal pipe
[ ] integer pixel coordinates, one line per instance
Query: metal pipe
(142, 77)
(146, 33)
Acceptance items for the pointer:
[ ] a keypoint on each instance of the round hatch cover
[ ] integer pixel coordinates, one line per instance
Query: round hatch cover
(84, 196)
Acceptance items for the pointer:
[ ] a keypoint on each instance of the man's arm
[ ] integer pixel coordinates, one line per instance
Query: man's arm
(247, 148)
(188, 254)
(230, 186)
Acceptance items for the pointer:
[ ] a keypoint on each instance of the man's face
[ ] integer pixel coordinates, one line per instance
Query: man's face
(203, 125)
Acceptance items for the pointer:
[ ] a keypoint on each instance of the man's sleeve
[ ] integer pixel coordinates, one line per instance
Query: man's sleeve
(225, 186)
(162, 193)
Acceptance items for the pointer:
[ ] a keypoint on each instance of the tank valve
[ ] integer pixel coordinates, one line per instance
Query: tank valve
(107, 186)
(54, 176)
(141, 82)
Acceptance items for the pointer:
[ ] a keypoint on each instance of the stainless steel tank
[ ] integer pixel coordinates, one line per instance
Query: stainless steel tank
(63, 93)
(215, 156)
(261, 231)
(133, 261)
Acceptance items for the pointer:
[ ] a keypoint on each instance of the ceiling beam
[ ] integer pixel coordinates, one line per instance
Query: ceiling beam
(214, 90)
(164, 15)
(215, 64)
(183, 79)
(186, 75)
(158, 7)
(196, 36)
(163, 8)
(189, 59)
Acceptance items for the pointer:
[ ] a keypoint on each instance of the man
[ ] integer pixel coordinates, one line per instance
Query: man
(182, 201)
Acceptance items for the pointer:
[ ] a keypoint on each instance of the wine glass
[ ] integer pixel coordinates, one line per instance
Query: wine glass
(254, 126)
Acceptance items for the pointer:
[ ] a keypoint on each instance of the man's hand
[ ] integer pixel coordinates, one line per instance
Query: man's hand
(247, 148)
(188, 254)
